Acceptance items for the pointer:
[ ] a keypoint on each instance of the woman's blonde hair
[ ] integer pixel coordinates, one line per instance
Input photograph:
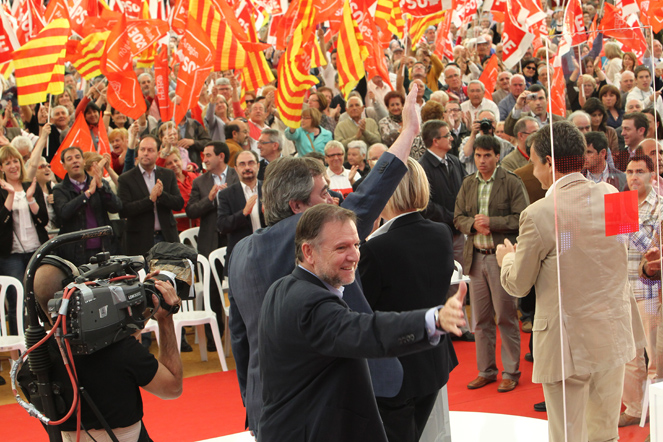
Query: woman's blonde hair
(120, 132)
(89, 158)
(413, 192)
(7, 152)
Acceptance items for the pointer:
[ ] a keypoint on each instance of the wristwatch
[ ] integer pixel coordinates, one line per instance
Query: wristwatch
(436, 315)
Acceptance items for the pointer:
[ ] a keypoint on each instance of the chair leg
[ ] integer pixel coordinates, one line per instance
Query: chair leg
(219, 347)
(200, 330)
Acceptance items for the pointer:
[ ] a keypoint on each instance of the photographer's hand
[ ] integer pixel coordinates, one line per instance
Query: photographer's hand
(169, 296)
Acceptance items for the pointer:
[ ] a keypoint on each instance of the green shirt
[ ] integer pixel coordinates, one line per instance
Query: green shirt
(483, 195)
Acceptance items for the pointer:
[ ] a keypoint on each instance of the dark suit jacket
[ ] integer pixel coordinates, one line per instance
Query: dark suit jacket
(422, 250)
(312, 361)
(200, 206)
(445, 182)
(138, 209)
(261, 171)
(230, 219)
(71, 208)
(269, 254)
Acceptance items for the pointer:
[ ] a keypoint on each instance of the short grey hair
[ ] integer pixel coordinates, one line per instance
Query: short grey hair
(358, 144)
(22, 141)
(483, 88)
(274, 137)
(334, 143)
(145, 74)
(521, 124)
(491, 113)
(54, 108)
(223, 81)
(579, 113)
(288, 179)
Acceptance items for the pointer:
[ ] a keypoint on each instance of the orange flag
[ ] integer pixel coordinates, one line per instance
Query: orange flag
(104, 143)
(161, 84)
(79, 136)
(655, 16)
(125, 41)
(557, 92)
(196, 54)
(489, 76)
(56, 9)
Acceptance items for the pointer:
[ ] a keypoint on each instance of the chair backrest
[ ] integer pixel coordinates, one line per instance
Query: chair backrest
(5, 283)
(218, 255)
(458, 276)
(190, 237)
(204, 277)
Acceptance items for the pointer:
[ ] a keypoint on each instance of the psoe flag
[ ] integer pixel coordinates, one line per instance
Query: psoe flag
(39, 64)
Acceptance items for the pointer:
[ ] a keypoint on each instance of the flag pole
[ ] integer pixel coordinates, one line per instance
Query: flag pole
(48, 120)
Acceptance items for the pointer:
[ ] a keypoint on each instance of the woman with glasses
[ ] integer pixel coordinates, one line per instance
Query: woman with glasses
(529, 71)
(309, 136)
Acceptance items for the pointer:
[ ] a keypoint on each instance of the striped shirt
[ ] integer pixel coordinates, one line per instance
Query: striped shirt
(649, 213)
(483, 195)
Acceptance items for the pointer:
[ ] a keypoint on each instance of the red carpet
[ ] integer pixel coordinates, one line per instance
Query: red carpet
(211, 405)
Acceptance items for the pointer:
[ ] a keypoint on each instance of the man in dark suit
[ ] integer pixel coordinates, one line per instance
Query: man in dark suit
(270, 145)
(240, 211)
(204, 193)
(294, 185)
(445, 174)
(203, 204)
(194, 137)
(149, 195)
(313, 346)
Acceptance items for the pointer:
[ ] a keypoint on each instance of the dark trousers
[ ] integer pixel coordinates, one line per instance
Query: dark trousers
(217, 307)
(404, 419)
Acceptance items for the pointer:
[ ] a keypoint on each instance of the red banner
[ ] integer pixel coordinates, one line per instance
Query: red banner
(161, 82)
(195, 52)
(489, 76)
(78, 135)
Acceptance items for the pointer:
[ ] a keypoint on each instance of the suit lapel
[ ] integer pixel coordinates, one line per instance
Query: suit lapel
(304, 275)
(140, 181)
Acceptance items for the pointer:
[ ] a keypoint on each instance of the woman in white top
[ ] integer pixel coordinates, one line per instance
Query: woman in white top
(23, 220)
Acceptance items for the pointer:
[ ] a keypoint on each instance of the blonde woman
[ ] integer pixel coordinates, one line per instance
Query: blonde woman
(23, 221)
(614, 66)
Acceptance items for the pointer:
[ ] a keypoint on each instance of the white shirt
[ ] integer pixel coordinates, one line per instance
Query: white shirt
(341, 182)
(379, 92)
(255, 216)
(25, 238)
(150, 181)
(485, 104)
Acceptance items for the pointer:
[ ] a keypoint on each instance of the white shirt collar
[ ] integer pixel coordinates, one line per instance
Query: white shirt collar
(385, 227)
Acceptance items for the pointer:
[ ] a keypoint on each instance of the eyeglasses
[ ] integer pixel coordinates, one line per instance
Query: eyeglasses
(261, 142)
(529, 67)
(334, 155)
(44, 166)
(453, 110)
(448, 135)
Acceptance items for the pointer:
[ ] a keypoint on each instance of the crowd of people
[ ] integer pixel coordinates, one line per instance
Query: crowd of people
(431, 128)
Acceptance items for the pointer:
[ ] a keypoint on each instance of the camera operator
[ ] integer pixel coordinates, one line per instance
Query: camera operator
(485, 124)
(112, 375)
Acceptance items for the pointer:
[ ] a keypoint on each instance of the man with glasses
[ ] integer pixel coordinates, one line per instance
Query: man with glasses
(525, 127)
(466, 154)
(516, 88)
(454, 83)
(459, 131)
(270, 145)
(536, 99)
(445, 174)
(339, 180)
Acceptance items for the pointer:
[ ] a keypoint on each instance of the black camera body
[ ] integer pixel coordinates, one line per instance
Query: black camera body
(485, 126)
(107, 302)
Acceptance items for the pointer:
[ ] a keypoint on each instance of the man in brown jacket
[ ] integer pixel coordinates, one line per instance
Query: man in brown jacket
(487, 210)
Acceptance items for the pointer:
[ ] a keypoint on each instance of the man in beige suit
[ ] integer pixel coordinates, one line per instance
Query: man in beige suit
(586, 358)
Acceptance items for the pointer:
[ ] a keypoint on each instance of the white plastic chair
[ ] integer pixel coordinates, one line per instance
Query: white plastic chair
(458, 276)
(190, 237)
(222, 284)
(11, 343)
(188, 316)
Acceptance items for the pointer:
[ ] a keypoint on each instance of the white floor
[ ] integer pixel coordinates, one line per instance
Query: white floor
(469, 427)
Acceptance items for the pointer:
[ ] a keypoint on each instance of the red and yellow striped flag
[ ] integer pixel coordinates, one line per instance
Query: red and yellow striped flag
(294, 67)
(418, 25)
(229, 53)
(6, 69)
(351, 53)
(39, 64)
(87, 56)
(390, 12)
(257, 73)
